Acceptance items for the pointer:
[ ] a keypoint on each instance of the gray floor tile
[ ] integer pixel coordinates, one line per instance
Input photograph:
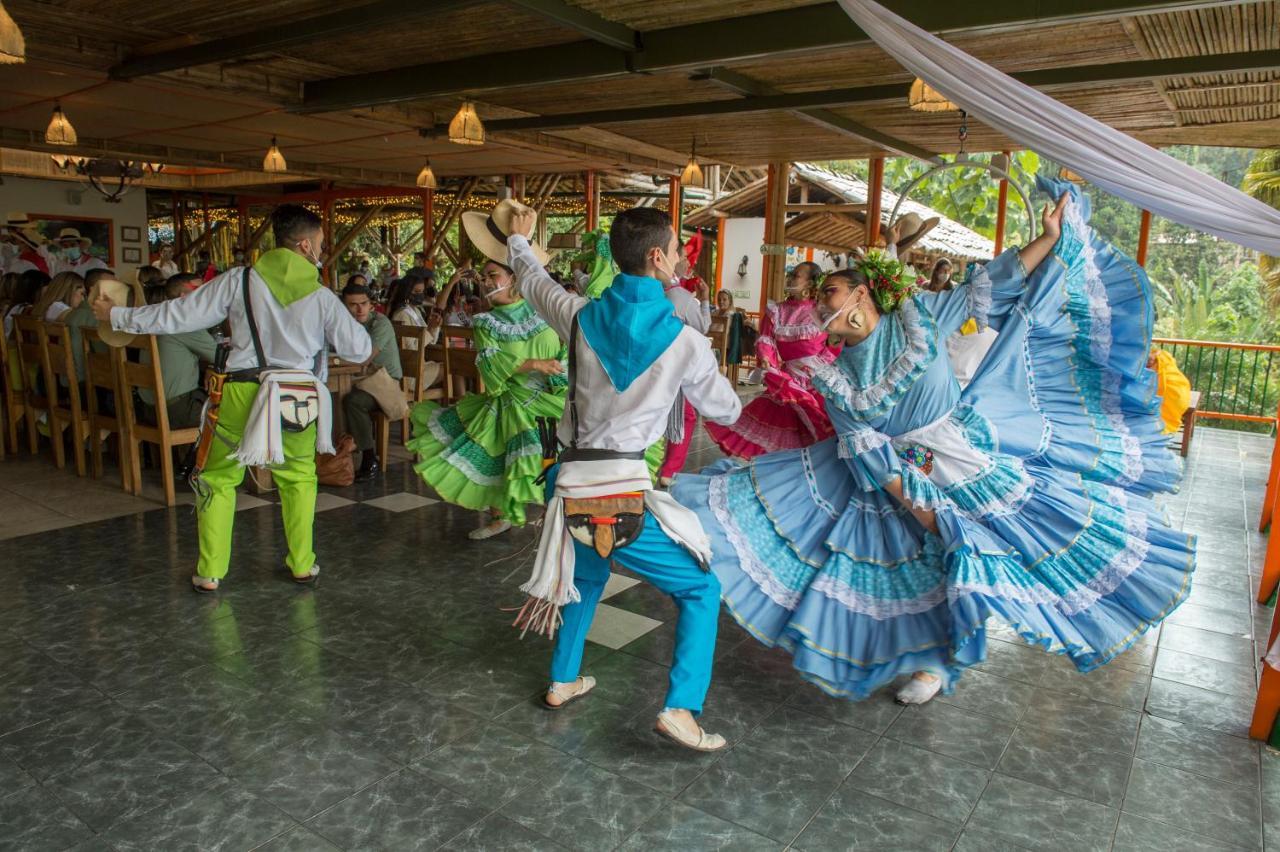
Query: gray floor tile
(772, 796)
(1040, 818)
(1199, 804)
(403, 812)
(1137, 834)
(1237, 650)
(35, 821)
(681, 828)
(954, 732)
(223, 817)
(1110, 684)
(313, 774)
(410, 728)
(1213, 675)
(1068, 763)
(991, 695)
(792, 734)
(492, 764)
(496, 832)
(940, 786)
(1110, 726)
(1199, 750)
(854, 820)
(980, 840)
(1231, 622)
(300, 839)
(874, 714)
(1014, 660)
(584, 807)
(633, 750)
(1228, 714)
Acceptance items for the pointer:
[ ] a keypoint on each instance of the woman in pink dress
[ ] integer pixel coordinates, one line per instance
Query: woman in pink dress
(792, 345)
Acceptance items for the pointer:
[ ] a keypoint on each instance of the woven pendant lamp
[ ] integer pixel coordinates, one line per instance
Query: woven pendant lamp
(274, 161)
(692, 174)
(427, 178)
(60, 131)
(13, 47)
(466, 127)
(924, 98)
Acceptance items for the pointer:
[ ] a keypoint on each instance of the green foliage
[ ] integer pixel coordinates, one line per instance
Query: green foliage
(1262, 181)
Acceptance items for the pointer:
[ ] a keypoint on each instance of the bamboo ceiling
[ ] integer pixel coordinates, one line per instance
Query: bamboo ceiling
(223, 112)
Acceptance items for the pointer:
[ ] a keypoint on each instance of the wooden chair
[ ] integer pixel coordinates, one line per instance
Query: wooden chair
(102, 366)
(12, 399)
(463, 376)
(414, 351)
(136, 376)
(1189, 422)
(33, 364)
(67, 411)
(719, 335)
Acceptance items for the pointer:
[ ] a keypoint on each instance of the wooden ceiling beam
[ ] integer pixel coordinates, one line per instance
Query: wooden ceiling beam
(715, 42)
(587, 23)
(281, 35)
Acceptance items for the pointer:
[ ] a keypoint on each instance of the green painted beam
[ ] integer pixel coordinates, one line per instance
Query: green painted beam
(587, 23)
(281, 35)
(697, 45)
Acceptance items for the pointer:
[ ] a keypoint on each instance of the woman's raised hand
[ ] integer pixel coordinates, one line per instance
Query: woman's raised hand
(1051, 220)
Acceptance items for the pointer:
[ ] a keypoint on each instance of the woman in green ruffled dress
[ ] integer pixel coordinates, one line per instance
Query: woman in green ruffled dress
(485, 451)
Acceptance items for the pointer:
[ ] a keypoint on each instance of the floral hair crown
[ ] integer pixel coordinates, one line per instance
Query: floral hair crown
(891, 281)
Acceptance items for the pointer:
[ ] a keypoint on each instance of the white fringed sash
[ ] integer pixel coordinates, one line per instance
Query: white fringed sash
(263, 443)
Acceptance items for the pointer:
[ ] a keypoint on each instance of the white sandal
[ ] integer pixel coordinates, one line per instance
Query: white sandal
(198, 584)
(702, 742)
(307, 578)
(582, 686)
(919, 691)
(495, 527)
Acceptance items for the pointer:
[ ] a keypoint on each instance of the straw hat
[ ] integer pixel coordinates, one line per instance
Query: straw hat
(72, 234)
(21, 224)
(121, 295)
(489, 231)
(911, 228)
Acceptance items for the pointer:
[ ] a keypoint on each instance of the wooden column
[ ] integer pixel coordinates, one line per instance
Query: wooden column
(1144, 235)
(242, 238)
(179, 230)
(775, 228)
(591, 188)
(516, 184)
(330, 266)
(428, 224)
(719, 282)
(876, 186)
(674, 198)
(1001, 204)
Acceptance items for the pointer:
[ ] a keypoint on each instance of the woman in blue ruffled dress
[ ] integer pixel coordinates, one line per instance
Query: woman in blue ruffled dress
(1024, 498)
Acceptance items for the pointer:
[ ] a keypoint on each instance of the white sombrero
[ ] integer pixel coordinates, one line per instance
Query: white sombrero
(489, 231)
(121, 295)
(72, 234)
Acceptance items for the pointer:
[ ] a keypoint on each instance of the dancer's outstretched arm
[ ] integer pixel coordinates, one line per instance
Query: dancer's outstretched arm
(1050, 229)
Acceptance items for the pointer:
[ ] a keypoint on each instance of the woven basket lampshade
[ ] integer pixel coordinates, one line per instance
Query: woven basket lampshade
(274, 161)
(1066, 174)
(427, 178)
(60, 131)
(466, 127)
(924, 98)
(13, 47)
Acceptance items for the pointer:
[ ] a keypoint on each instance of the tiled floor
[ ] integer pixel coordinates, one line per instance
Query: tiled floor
(393, 708)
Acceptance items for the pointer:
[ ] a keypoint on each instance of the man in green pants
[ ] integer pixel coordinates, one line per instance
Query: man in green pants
(296, 317)
(358, 405)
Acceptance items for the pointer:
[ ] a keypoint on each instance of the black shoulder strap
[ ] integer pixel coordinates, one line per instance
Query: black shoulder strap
(573, 380)
(253, 326)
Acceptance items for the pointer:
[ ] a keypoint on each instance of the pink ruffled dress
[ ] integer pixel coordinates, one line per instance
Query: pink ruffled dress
(789, 414)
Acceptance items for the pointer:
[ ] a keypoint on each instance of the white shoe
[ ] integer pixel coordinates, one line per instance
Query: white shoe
(489, 530)
(919, 691)
(696, 740)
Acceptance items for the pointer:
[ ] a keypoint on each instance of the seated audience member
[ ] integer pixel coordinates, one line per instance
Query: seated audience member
(1174, 389)
(359, 406)
(81, 317)
(64, 292)
(183, 282)
(205, 268)
(182, 357)
(165, 262)
(25, 292)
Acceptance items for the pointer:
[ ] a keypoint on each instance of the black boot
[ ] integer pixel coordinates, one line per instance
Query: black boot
(368, 466)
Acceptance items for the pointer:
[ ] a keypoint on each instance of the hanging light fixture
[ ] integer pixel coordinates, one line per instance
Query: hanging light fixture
(274, 161)
(427, 178)
(924, 98)
(466, 127)
(60, 131)
(13, 47)
(692, 174)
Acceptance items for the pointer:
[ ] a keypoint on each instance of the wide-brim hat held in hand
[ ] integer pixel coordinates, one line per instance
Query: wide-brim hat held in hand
(121, 295)
(911, 228)
(489, 231)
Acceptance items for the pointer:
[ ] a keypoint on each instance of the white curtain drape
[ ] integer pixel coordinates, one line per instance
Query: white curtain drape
(1107, 158)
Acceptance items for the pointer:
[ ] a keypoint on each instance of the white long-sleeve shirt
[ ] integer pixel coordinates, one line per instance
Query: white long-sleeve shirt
(293, 337)
(690, 311)
(634, 419)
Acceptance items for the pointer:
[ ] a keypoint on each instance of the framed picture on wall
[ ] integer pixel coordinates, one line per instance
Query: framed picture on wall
(130, 234)
(130, 254)
(99, 233)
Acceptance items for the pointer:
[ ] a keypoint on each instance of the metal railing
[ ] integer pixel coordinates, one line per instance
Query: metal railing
(1237, 382)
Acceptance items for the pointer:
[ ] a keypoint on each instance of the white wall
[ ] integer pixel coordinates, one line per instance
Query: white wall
(56, 198)
(743, 237)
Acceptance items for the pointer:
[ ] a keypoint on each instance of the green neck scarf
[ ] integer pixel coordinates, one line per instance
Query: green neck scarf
(289, 275)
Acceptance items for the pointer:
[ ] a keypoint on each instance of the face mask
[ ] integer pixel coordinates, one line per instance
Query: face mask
(830, 315)
(666, 269)
(489, 294)
(417, 299)
(239, 259)
(72, 253)
(315, 259)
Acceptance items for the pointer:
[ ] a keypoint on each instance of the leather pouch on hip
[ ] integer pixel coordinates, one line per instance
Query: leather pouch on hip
(607, 523)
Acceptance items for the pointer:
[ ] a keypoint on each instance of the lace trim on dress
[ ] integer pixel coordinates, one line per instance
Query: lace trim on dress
(811, 478)
(718, 500)
(879, 608)
(524, 323)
